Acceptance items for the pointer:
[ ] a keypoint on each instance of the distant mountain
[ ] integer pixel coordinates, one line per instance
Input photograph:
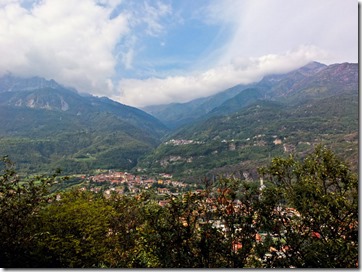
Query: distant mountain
(332, 80)
(279, 85)
(237, 102)
(270, 87)
(12, 83)
(313, 81)
(43, 125)
(175, 115)
(281, 114)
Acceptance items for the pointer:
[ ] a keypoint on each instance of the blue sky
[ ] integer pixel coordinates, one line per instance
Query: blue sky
(150, 52)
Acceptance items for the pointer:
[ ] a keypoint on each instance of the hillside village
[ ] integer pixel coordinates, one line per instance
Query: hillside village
(109, 182)
(116, 182)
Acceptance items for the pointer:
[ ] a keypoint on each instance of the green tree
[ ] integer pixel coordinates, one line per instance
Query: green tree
(313, 207)
(307, 215)
(185, 233)
(159, 237)
(125, 225)
(20, 203)
(75, 231)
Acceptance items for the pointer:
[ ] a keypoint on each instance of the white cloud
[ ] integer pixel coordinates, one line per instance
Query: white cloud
(148, 16)
(145, 19)
(85, 44)
(126, 55)
(267, 37)
(153, 91)
(263, 27)
(152, 15)
(77, 43)
(70, 41)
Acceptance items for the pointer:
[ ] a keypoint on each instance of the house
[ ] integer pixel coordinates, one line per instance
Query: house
(236, 246)
(163, 190)
(117, 181)
(277, 141)
(167, 176)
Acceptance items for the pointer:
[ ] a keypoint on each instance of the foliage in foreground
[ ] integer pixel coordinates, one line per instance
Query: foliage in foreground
(305, 216)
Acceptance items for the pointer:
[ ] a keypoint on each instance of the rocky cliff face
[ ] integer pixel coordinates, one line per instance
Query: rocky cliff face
(10, 83)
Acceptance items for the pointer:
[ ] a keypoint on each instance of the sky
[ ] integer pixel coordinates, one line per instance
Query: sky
(152, 52)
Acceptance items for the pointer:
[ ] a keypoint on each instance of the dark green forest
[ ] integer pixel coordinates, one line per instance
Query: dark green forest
(245, 139)
(49, 126)
(304, 215)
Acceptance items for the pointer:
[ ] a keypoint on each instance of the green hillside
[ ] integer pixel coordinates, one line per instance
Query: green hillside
(48, 128)
(175, 115)
(281, 114)
(243, 141)
(44, 125)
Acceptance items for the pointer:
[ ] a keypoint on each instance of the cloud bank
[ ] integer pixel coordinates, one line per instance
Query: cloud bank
(70, 41)
(156, 91)
(114, 48)
(267, 37)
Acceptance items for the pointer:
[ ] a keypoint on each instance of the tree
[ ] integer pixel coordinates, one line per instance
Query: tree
(306, 216)
(186, 232)
(167, 235)
(237, 204)
(313, 207)
(75, 231)
(20, 203)
(125, 225)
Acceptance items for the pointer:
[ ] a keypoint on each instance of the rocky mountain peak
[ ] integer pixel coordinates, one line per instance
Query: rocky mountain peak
(9, 82)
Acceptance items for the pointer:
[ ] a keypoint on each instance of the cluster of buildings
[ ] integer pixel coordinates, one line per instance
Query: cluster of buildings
(182, 142)
(123, 182)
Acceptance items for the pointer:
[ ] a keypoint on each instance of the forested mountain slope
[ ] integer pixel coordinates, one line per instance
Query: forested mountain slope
(45, 125)
(274, 86)
(286, 114)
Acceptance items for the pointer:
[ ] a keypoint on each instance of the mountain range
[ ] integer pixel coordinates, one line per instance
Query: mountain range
(310, 80)
(44, 125)
(249, 124)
